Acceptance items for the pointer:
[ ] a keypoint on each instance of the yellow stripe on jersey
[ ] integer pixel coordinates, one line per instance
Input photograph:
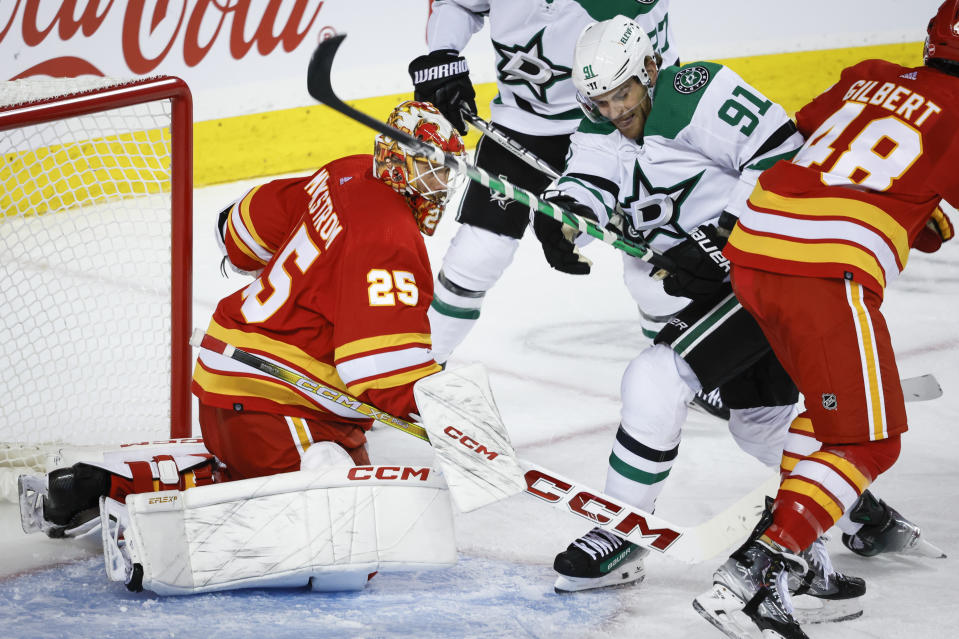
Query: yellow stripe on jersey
(870, 361)
(802, 424)
(844, 468)
(832, 206)
(383, 341)
(238, 238)
(280, 350)
(248, 221)
(805, 252)
(396, 380)
(240, 386)
(815, 493)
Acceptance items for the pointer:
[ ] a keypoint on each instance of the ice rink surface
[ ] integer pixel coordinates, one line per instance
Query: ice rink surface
(555, 347)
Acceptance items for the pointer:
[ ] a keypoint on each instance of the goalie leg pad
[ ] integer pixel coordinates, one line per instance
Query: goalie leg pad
(332, 527)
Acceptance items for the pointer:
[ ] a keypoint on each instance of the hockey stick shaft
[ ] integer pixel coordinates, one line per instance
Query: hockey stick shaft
(494, 133)
(319, 87)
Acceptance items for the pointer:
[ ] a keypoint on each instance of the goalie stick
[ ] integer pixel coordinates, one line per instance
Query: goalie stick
(319, 87)
(688, 544)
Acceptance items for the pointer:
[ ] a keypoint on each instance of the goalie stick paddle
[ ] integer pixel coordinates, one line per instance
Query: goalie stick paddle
(319, 87)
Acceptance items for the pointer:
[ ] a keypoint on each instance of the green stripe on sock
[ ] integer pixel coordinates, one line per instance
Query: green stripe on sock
(636, 474)
(454, 311)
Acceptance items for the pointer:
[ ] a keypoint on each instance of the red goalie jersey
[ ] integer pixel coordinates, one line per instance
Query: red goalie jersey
(880, 153)
(342, 298)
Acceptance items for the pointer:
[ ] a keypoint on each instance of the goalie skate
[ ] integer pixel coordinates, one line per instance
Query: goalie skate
(33, 495)
(599, 559)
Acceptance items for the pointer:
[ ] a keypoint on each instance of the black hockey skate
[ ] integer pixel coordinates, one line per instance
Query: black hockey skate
(710, 403)
(750, 594)
(884, 530)
(599, 559)
(824, 594)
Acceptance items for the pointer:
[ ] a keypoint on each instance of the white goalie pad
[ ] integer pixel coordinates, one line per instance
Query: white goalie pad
(468, 436)
(328, 528)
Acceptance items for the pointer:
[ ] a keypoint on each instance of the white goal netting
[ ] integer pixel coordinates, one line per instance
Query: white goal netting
(85, 266)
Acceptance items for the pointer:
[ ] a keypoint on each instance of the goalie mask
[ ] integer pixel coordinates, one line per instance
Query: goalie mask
(941, 49)
(424, 184)
(607, 55)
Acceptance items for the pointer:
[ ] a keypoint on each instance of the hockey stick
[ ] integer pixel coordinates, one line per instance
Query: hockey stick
(493, 132)
(686, 544)
(319, 87)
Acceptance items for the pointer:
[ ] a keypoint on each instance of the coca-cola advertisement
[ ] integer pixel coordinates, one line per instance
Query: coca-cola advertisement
(238, 56)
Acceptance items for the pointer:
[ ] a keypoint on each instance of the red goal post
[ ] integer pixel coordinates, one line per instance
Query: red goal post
(96, 256)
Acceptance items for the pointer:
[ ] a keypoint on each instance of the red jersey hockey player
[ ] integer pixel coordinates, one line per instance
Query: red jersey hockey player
(344, 299)
(342, 296)
(826, 233)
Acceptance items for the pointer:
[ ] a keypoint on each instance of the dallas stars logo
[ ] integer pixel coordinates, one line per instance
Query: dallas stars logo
(677, 192)
(500, 198)
(526, 65)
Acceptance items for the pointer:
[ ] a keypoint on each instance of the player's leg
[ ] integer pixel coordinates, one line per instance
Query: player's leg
(871, 526)
(656, 389)
(855, 403)
(255, 444)
(485, 244)
(655, 310)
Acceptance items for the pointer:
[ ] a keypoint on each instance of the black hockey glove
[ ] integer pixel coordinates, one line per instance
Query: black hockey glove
(701, 266)
(443, 78)
(557, 242)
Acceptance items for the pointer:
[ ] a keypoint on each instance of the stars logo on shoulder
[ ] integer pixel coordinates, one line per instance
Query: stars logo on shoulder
(691, 79)
(526, 65)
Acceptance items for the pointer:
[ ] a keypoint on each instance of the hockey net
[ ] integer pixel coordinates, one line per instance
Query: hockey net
(95, 255)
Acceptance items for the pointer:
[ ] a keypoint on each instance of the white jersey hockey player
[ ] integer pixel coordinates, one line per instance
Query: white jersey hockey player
(679, 150)
(535, 105)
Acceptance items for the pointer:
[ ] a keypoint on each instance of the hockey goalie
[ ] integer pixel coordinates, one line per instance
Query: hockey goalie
(280, 492)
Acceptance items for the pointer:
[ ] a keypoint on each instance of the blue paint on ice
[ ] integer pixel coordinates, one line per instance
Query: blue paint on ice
(477, 598)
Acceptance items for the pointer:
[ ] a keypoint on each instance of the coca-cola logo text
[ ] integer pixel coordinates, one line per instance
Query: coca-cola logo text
(152, 29)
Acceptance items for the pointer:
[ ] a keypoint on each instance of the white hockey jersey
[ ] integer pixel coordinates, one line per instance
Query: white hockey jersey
(534, 42)
(707, 138)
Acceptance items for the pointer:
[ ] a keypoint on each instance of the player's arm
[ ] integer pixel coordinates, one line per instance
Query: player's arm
(739, 128)
(442, 75)
(585, 189)
(253, 227)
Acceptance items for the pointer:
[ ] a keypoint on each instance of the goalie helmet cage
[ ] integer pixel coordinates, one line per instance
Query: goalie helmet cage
(96, 264)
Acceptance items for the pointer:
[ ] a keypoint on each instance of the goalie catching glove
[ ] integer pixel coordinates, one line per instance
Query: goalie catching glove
(701, 266)
(443, 78)
(557, 238)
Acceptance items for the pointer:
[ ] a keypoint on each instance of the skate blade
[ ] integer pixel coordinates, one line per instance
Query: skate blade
(723, 609)
(633, 577)
(924, 548)
(809, 610)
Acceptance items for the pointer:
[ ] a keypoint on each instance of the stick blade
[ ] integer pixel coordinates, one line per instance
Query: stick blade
(321, 64)
(921, 389)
